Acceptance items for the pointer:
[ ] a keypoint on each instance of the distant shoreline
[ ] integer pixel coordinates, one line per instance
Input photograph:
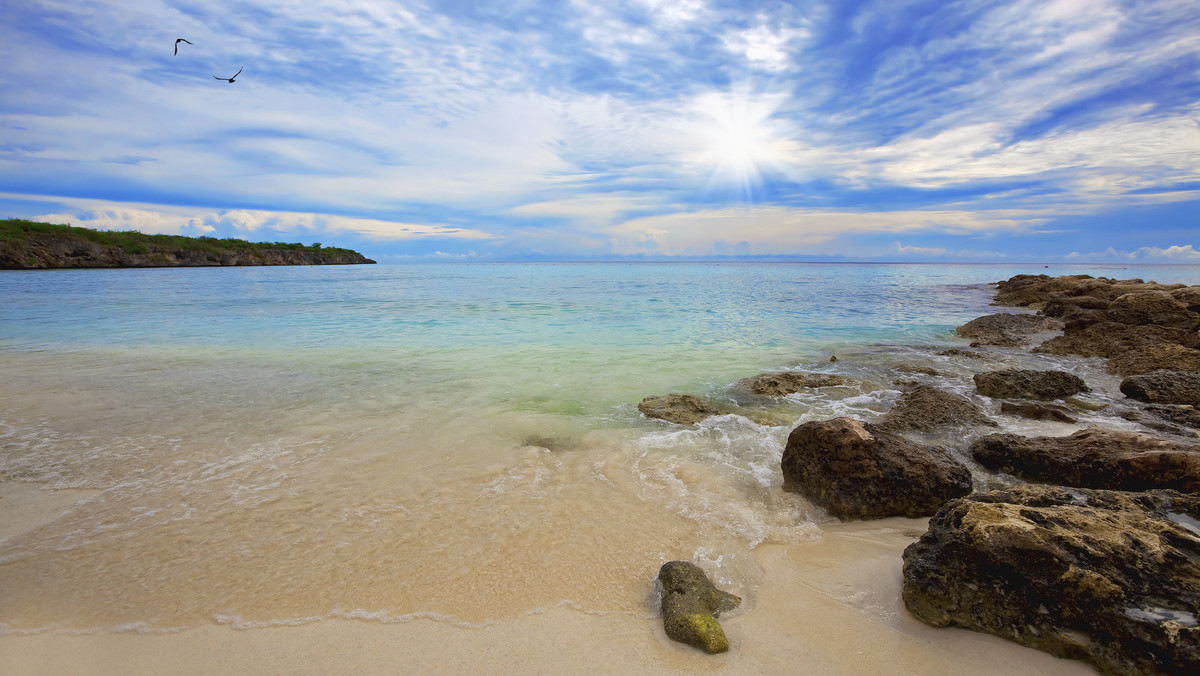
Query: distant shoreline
(29, 245)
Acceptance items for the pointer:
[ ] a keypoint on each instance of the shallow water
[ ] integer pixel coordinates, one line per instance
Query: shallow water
(275, 445)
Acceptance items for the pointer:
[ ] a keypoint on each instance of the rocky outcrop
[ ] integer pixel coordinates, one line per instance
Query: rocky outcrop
(1107, 339)
(1126, 461)
(1067, 306)
(856, 470)
(783, 383)
(1007, 330)
(926, 408)
(683, 409)
(1164, 387)
(1038, 411)
(1025, 384)
(1166, 356)
(1137, 326)
(1153, 308)
(1109, 577)
(691, 605)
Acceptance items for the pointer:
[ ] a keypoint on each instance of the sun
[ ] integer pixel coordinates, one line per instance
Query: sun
(738, 140)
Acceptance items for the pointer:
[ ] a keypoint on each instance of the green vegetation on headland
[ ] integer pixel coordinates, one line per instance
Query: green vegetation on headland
(28, 245)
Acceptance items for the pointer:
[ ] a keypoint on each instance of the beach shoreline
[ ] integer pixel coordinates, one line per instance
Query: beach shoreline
(829, 606)
(517, 534)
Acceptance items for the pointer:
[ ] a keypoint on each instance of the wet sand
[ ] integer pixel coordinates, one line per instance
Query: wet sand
(829, 606)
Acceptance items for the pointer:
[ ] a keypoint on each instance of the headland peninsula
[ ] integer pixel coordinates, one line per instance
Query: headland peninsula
(29, 245)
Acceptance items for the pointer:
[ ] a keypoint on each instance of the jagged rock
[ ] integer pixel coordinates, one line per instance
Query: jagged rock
(1150, 358)
(856, 470)
(1125, 461)
(691, 605)
(1152, 308)
(1006, 330)
(784, 383)
(1038, 411)
(683, 409)
(1025, 384)
(1107, 339)
(1189, 296)
(926, 408)
(1164, 387)
(1063, 306)
(1109, 577)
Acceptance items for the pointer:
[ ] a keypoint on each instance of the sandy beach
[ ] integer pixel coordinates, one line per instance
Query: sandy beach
(829, 606)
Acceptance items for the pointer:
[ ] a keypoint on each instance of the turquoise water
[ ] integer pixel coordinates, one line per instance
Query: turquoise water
(277, 445)
(600, 330)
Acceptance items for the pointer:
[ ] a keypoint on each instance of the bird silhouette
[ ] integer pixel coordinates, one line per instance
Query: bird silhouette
(179, 40)
(230, 79)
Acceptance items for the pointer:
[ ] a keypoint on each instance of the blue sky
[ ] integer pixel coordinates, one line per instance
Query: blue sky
(1057, 130)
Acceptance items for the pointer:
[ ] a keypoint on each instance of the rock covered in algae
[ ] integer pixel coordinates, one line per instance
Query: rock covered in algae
(691, 604)
(1110, 577)
(683, 409)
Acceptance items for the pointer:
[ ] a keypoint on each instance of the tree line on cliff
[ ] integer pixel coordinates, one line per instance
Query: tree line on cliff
(30, 245)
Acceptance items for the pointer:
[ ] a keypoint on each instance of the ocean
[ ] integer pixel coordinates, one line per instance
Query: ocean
(456, 442)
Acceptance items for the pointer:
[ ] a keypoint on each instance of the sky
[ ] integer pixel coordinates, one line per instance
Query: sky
(866, 130)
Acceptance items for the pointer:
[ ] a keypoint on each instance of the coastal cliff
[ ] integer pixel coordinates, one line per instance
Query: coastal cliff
(27, 245)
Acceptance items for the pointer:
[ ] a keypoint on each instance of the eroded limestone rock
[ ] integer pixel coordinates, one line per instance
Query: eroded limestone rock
(856, 470)
(783, 383)
(1026, 384)
(1164, 387)
(1107, 459)
(926, 408)
(1109, 577)
(683, 409)
(691, 604)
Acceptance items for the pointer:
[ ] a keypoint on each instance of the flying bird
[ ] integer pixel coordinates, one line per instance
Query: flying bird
(177, 44)
(230, 79)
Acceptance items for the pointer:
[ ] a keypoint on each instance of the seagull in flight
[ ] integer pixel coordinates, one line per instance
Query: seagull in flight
(177, 44)
(230, 79)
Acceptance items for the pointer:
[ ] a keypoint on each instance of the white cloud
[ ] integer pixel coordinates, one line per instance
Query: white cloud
(764, 47)
(782, 230)
(177, 220)
(1179, 253)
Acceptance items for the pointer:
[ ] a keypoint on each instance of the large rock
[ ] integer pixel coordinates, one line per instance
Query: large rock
(1165, 356)
(783, 383)
(1109, 577)
(683, 409)
(1064, 306)
(1107, 339)
(1189, 296)
(1006, 330)
(691, 605)
(856, 470)
(1126, 461)
(1156, 308)
(1164, 387)
(926, 408)
(1025, 384)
